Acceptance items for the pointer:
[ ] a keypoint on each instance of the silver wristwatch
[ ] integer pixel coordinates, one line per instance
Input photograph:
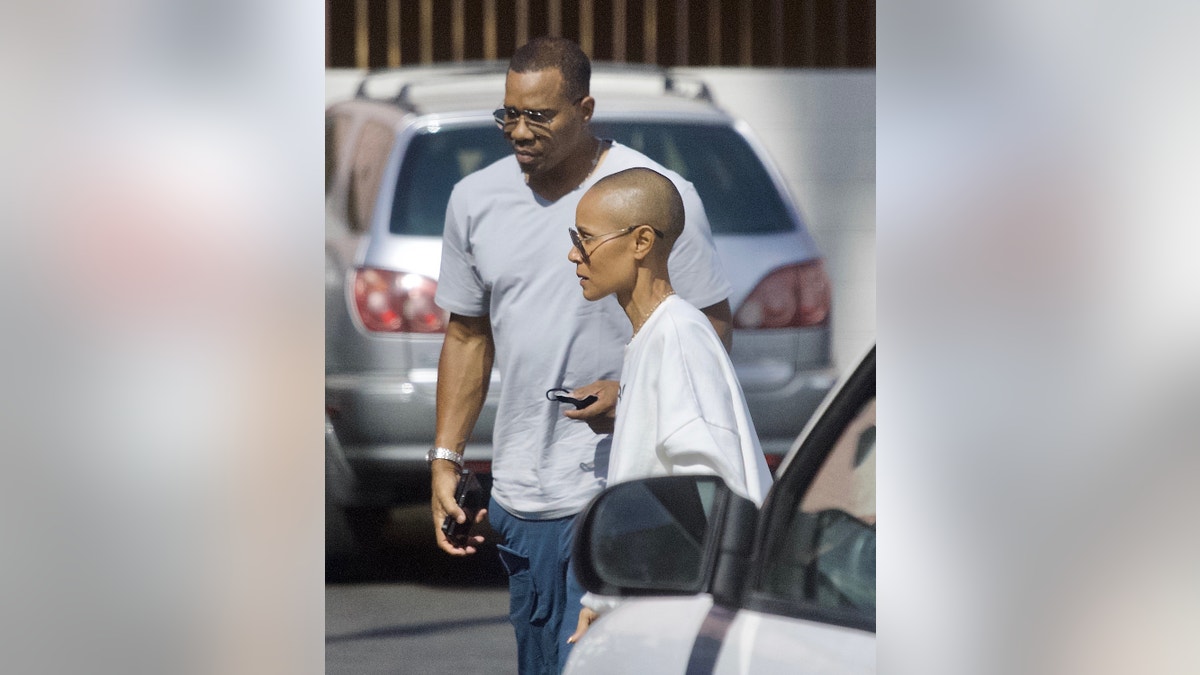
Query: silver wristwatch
(444, 453)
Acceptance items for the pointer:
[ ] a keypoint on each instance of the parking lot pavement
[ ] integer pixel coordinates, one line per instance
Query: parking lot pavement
(412, 609)
(411, 628)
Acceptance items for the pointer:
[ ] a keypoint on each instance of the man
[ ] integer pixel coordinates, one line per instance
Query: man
(514, 304)
(681, 409)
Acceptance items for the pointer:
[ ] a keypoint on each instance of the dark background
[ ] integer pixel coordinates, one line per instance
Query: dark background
(783, 33)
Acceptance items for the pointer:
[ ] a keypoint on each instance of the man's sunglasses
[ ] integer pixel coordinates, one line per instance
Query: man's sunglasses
(580, 239)
(507, 117)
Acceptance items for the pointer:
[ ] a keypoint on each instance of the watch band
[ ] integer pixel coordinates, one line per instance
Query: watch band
(437, 452)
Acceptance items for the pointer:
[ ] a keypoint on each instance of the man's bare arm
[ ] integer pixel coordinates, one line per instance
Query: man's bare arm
(721, 317)
(464, 372)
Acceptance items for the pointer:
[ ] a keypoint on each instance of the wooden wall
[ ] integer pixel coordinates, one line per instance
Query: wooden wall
(784, 33)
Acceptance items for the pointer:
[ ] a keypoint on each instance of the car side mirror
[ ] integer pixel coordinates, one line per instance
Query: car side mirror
(663, 536)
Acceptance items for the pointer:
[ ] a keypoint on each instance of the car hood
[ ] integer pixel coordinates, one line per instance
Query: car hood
(656, 635)
(641, 636)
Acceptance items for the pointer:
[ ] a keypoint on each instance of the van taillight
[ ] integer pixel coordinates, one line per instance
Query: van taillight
(789, 297)
(397, 302)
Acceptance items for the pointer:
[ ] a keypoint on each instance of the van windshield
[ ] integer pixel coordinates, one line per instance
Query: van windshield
(736, 189)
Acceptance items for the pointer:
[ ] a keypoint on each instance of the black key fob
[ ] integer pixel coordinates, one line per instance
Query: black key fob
(562, 396)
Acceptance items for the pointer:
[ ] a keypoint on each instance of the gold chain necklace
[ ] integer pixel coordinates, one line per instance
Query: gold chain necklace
(646, 316)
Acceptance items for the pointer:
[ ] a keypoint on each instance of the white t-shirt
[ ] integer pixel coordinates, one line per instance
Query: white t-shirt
(504, 254)
(681, 409)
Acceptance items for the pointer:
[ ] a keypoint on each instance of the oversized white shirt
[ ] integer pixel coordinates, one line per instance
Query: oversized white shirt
(504, 255)
(681, 409)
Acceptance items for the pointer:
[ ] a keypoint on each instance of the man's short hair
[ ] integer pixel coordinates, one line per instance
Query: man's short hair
(546, 52)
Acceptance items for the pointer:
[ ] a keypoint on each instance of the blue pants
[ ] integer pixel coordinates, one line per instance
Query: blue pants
(543, 593)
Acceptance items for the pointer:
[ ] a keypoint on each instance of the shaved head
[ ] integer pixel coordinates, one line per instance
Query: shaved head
(642, 196)
(631, 219)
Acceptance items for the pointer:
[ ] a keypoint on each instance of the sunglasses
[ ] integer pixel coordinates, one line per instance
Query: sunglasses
(506, 118)
(580, 239)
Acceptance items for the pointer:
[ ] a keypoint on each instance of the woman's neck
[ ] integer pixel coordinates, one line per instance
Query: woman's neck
(644, 299)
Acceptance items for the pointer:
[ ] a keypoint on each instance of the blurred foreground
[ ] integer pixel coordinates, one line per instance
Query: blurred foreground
(1038, 332)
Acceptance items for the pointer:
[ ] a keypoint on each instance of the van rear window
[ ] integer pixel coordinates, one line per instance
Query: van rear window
(737, 191)
(433, 163)
(735, 187)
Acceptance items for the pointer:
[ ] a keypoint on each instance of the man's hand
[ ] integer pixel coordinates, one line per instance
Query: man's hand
(599, 415)
(444, 481)
(464, 370)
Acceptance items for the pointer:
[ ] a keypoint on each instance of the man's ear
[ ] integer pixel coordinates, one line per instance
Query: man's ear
(587, 107)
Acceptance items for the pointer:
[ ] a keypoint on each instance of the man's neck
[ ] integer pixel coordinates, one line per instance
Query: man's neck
(554, 184)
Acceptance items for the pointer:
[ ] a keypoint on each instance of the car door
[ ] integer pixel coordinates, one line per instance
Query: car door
(810, 603)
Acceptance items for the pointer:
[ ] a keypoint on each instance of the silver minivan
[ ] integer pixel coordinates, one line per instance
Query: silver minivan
(394, 152)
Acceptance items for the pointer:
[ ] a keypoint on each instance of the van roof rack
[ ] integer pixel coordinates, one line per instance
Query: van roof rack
(423, 74)
(673, 83)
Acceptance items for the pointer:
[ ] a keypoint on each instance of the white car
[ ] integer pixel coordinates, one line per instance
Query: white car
(714, 585)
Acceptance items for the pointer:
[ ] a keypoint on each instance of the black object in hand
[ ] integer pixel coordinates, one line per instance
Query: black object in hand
(562, 396)
(470, 497)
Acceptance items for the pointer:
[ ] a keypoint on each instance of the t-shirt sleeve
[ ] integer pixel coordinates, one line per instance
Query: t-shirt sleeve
(696, 271)
(460, 288)
(600, 604)
(699, 423)
(706, 428)
(700, 447)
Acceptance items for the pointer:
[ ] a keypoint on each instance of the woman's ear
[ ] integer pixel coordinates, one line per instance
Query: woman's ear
(644, 240)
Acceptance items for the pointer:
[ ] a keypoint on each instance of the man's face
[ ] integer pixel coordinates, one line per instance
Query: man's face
(606, 263)
(542, 147)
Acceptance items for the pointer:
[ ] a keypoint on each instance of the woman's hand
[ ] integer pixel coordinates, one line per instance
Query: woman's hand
(586, 617)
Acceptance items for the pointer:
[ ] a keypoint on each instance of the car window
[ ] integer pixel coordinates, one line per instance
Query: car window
(433, 163)
(825, 551)
(370, 158)
(738, 194)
